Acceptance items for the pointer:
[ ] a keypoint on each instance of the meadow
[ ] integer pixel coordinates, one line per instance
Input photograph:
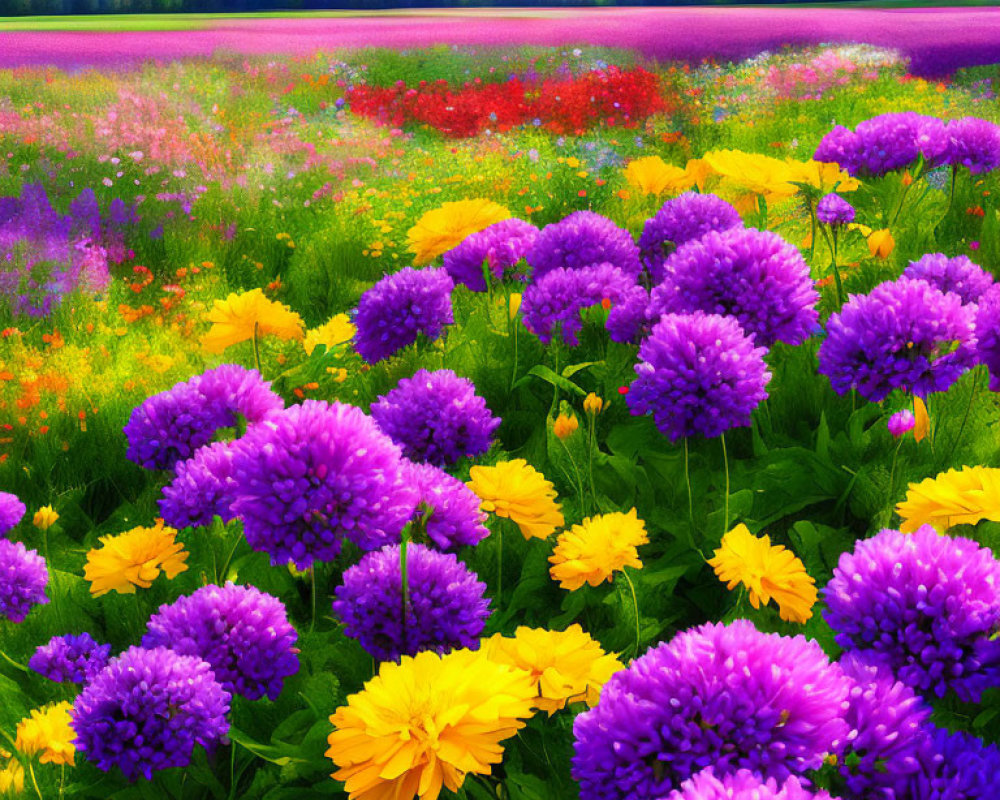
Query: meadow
(518, 423)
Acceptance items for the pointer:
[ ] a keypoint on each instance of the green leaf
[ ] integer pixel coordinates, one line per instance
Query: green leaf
(550, 377)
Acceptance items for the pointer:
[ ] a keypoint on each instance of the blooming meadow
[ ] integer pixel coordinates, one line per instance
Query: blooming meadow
(521, 424)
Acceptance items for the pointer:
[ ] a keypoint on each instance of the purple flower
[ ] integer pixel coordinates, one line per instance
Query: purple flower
(11, 512)
(584, 239)
(973, 143)
(957, 275)
(243, 634)
(922, 604)
(886, 143)
(170, 426)
(147, 710)
(628, 319)
(722, 696)
(23, 577)
(742, 785)
(684, 218)
(394, 312)
(755, 276)
(436, 417)
(69, 658)
(698, 374)
(446, 608)
(988, 334)
(905, 334)
(202, 487)
(450, 508)
(500, 247)
(954, 766)
(313, 474)
(832, 209)
(901, 422)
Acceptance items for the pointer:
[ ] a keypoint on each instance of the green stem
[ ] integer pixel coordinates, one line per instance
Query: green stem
(687, 482)
(892, 471)
(229, 558)
(404, 577)
(965, 417)
(813, 224)
(12, 662)
(590, 457)
(499, 535)
(635, 606)
(725, 462)
(902, 200)
(312, 596)
(256, 347)
(34, 780)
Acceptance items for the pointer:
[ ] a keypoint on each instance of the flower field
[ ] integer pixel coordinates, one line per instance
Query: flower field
(524, 424)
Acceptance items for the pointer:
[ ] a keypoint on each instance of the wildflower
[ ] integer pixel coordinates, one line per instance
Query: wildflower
(987, 324)
(514, 304)
(832, 209)
(756, 173)
(333, 333)
(134, 558)
(11, 512)
(23, 578)
(500, 248)
(592, 404)
(70, 658)
(201, 489)
(448, 509)
(880, 243)
(885, 143)
(744, 785)
(426, 723)
(565, 426)
(957, 497)
(47, 733)
(921, 420)
(565, 666)
(953, 764)
(594, 550)
(584, 239)
(242, 317)
(442, 228)
(973, 143)
(957, 275)
(45, 518)
(12, 779)
(517, 491)
(652, 175)
(901, 422)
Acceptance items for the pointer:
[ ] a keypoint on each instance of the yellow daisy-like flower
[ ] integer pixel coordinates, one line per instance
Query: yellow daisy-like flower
(767, 571)
(822, 175)
(594, 550)
(339, 330)
(235, 319)
(427, 722)
(45, 518)
(47, 732)
(880, 243)
(442, 228)
(956, 497)
(134, 558)
(566, 666)
(652, 175)
(753, 172)
(519, 492)
(12, 778)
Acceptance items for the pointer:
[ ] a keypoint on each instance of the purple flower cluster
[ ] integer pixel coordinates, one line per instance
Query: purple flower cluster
(722, 696)
(755, 276)
(309, 476)
(974, 143)
(954, 766)
(698, 374)
(500, 247)
(682, 219)
(23, 578)
(988, 334)
(69, 658)
(957, 275)
(436, 417)
(170, 426)
(832, 209)
(924, 606)
(243, 634)
(147, 710)
(449, 508)
(446, 608)
(742, 785)
(394, 312)
(905, 334)
(584, 239)
(886, 143)
(11, 512)
(202, 487)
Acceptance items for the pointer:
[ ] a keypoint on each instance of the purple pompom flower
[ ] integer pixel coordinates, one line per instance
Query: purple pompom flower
(243, 634)
(147, 710)
(584, 239)
(628, 320)
(954, 766)
(722, 696)
(901, 422)
(436, 417)
(398, 309)
(684, 218)
(973, 143)
(755, 276)
(313, 474)
(698, 374)
(23, 578)
(988, 334)
(905, 334)
(170, 426)
(11, 512)
(500, 247)
(450, 509)
(922, 604)
(446, 609)
(742, 785)
(957, 275)
(886, 143)
(69, 658)
(202, 488)
(832, 209)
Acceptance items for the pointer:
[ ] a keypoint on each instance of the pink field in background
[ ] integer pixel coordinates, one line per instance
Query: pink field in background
(937, 40)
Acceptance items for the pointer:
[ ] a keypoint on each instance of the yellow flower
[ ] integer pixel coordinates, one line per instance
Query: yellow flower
(516, 490)
(652, 175)
(12, 778)
(235, 319)
(515, 304)
(592, 404)
(47, 731)
(566, 666)
(594, 550)
(337, 331)
(753, 172)
(922, 421)
(441, 229)
(427, 722)
(134, 558)
(45, 518)
(767, 571)
(565, 426)
(822, 175)
(956, 497)
(881, 243)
